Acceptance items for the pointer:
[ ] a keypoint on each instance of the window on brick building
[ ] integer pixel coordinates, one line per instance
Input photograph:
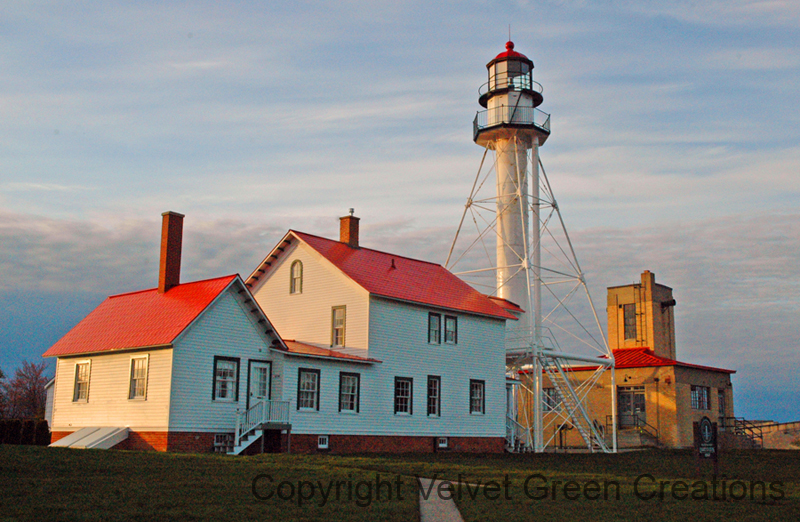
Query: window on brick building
(629, 316)
(700, 398)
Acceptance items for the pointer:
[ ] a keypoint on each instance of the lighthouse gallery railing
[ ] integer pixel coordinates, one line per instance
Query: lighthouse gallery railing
(505, 115)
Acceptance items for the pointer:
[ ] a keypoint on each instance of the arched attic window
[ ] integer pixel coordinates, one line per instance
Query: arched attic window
(296, 278)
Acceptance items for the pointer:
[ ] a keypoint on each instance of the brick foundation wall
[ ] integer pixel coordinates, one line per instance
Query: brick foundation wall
(199, 442)
(144, 441)
(58, 435)
(393, 444)
(188, 442)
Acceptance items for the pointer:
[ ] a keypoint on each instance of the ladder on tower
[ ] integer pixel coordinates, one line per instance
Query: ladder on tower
(573, 404)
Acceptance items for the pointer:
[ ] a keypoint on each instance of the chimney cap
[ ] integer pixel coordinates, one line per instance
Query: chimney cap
(172, 213)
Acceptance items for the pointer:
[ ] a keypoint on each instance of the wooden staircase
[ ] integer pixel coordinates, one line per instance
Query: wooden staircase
(252, 422)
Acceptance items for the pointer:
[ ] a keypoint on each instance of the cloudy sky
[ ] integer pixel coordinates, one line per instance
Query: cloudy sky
(675, 148)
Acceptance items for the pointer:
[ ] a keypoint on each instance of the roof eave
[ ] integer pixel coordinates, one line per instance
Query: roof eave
(432, 305)
(115, 350)
(332, 358)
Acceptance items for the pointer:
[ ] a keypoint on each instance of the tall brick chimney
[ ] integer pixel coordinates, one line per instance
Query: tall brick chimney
(169, 271)
(348, 229)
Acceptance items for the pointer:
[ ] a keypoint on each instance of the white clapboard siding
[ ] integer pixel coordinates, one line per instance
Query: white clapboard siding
(109, 388)
(225, 329)
(307, 316)
(398, 338)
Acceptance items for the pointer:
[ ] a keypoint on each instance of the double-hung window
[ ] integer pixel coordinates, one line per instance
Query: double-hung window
(450, 329)
(477, 396)
(349, 384)
(308, 389)
(434, 328)
(226, 379)
(138, 385)
(700, 398)
(403, 395)
(434, 395)
(80, 392)
(337, 326)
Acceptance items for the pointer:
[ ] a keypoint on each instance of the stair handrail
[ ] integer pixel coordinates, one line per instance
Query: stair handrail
(643, 427)
(247, 421)
(746, 428)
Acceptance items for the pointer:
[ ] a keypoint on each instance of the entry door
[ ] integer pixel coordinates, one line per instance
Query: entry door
(631, 408)
(260, 377)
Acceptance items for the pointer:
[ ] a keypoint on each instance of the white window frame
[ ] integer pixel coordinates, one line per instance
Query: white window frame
(132, 386)
(442, 442)
(477, 401)
(338, 330)
(76, 396)
(311, 394)
(323, 442)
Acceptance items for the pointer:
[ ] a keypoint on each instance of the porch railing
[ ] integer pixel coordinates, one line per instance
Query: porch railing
(260, 413)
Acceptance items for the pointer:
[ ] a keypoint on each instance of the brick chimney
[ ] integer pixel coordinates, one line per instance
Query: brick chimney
(169, 271)
(348, 229)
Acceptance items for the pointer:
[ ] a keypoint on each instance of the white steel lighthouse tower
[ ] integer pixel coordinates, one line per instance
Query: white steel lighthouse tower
(524, 222)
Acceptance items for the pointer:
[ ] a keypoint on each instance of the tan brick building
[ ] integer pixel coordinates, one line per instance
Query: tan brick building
(658, 397)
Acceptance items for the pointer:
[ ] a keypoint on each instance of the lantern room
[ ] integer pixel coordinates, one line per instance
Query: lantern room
(510, 71)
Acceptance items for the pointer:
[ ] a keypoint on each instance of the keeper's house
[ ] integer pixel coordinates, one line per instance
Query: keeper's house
(386, 354)
(435, 376)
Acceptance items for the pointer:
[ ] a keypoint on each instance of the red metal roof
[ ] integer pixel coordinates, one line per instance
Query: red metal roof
(506, 304)
(140, 319)
(646, 358)
(316, 351)
(510, 53)
(402, 278)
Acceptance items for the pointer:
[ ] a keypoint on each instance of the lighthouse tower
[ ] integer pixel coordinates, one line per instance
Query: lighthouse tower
(514, 128)
(533, 255)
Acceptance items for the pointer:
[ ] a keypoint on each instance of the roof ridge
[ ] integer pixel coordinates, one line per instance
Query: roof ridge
(370, 249)
(134, 292)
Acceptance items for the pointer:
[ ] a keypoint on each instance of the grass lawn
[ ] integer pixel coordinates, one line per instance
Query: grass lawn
(39, 483)
(583, 500)
(61, 484)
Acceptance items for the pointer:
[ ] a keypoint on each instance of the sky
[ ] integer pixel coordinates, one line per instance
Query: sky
(675, 147)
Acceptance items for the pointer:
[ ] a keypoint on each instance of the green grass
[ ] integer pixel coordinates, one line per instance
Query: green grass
(61, 484)
(780, 468)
